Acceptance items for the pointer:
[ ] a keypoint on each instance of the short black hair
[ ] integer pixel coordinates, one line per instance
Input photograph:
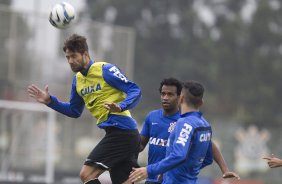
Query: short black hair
(193, 92)
(171, 82)
(76, 43)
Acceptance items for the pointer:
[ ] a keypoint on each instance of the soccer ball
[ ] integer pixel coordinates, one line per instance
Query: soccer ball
(62, 15)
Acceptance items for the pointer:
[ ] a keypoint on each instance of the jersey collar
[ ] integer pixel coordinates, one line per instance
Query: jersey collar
(172, 115)
(194, 113)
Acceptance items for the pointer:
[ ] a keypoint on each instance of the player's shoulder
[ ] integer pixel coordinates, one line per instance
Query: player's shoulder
(187, 120)
(196, 123)
(109, 68)
(153, 115)
(155, 112)
(101, 64)
(105, 64)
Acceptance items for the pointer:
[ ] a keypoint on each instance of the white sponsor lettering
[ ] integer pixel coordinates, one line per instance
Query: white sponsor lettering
(118, 74)
(184, 134)
(157, 141)
(205, 137)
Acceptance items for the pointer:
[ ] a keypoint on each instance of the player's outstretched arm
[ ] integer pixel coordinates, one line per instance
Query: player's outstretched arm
(40, 95)
(218, 158)
(273, 161)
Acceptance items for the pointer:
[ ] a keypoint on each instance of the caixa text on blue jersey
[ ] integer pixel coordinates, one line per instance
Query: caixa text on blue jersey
(157, 141)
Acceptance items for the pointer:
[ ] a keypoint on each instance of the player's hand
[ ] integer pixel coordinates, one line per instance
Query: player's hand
(112, 107)
(273, 161)
(230, 174)
(38, 94)
(138, 174)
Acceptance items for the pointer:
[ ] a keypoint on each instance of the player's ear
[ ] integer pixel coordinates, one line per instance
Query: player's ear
(86, 56)
(201, 102)
(178, 100)
(182, 98)
(85, 53)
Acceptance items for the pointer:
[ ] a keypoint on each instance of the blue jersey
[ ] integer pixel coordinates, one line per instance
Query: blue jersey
(157, 128)
(100, 83)
(189, 149)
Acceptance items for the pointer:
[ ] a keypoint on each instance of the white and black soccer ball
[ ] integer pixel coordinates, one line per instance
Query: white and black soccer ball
(62, 15)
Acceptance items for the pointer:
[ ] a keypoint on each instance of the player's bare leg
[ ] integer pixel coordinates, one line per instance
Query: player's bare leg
(89, 174)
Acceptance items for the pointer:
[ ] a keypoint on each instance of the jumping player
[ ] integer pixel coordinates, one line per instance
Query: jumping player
(101, 87)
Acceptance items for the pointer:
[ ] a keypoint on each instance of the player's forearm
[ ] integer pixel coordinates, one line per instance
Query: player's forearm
(164, 165)
(65, 108)
(222, 164)
(114, 77)
(218, 158)
(279, 163)
(144, 142)
(132, 98)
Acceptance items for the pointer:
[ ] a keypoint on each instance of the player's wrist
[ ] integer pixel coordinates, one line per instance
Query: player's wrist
(224, 169)
(121, 107)
(280, 162)
(48, 100)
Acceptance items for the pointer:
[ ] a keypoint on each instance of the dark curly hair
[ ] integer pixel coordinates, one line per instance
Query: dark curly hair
(76, 43)
(171, 82)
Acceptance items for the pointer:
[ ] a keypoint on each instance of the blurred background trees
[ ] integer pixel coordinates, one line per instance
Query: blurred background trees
(233, 47)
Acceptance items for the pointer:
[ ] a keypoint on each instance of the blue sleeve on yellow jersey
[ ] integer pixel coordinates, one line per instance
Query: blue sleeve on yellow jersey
(114, 77)
(73, 108)
(180, 149)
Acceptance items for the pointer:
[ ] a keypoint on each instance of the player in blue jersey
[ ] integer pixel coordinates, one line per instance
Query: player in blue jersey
(159, 123)
(108, 94)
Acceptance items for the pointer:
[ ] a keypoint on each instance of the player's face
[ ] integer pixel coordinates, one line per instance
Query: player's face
(169, 98)
(76, 60)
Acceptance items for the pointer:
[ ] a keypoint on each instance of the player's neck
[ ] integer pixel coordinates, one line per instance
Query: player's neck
(170, 112)
(85, 65)
(185, 108)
